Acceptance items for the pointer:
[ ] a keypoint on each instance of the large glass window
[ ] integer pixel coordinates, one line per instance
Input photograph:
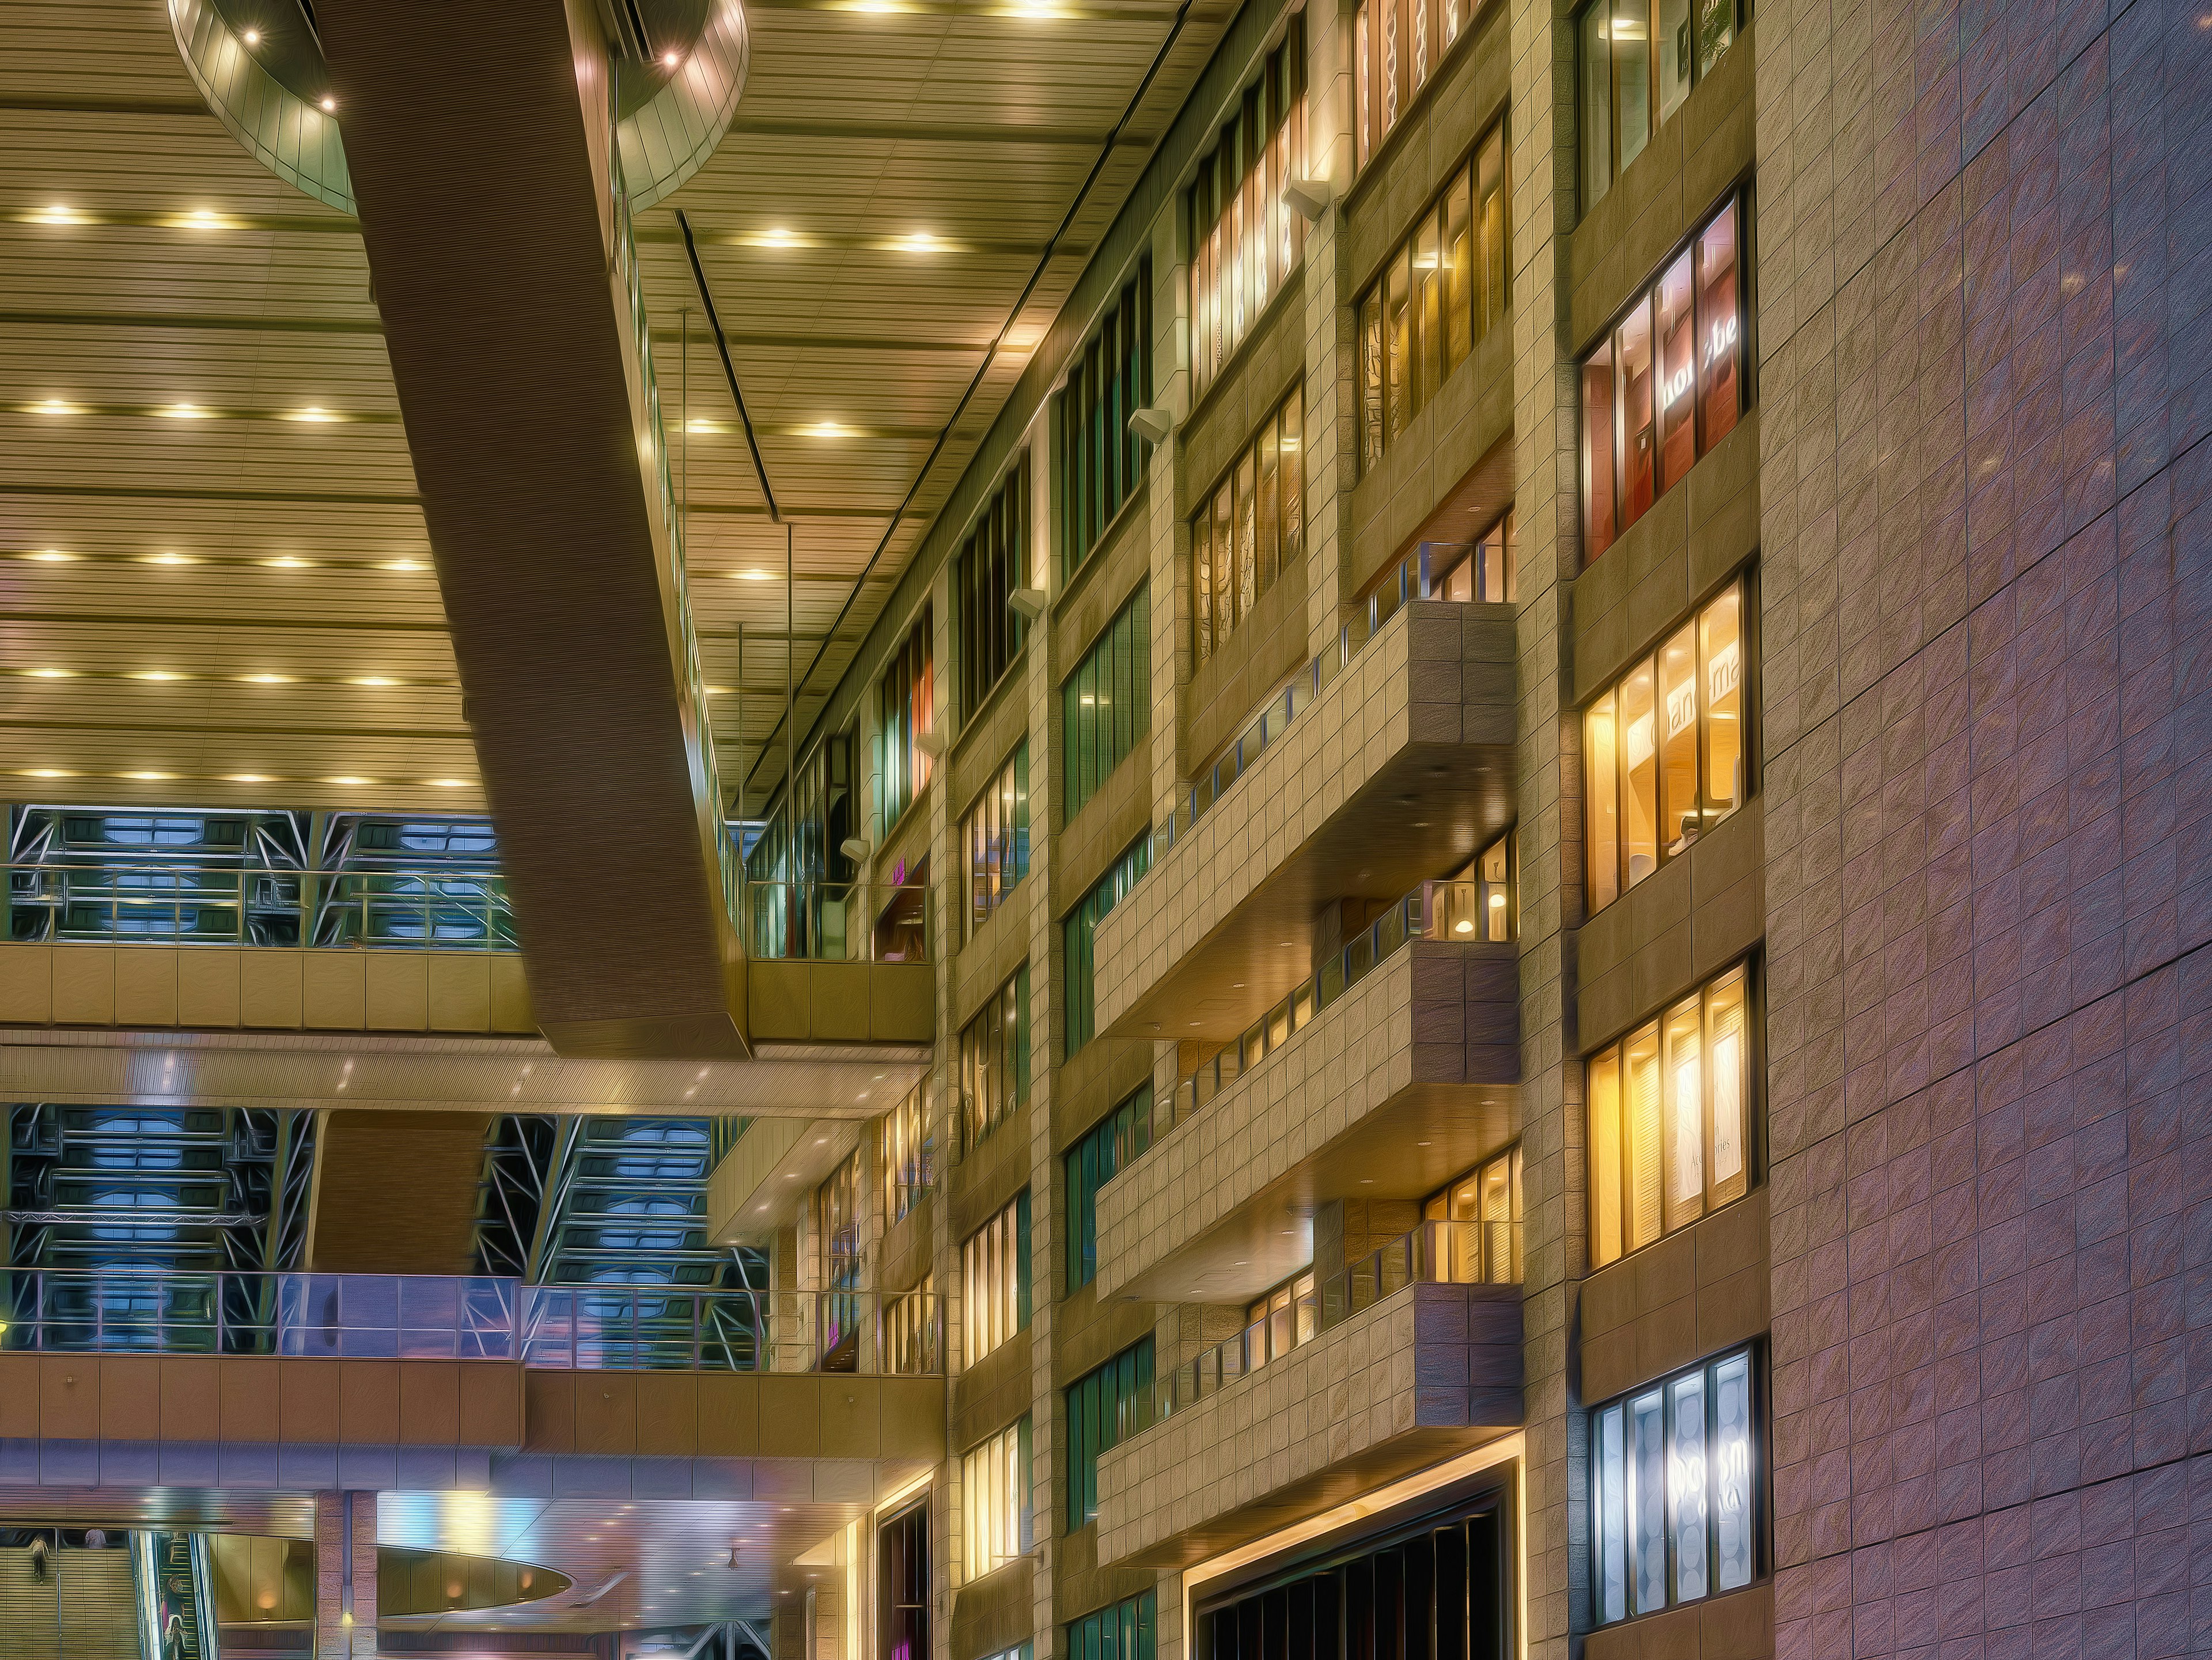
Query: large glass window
(996, 833)
(1107, 703)
(902, 1155)
(903, 1584)
(1081, 931)
(1397, 48)
(994, 1061)
(1126, 1631)
(1639, 60)
(910, 1345)
(994, 1280)
(1091, 1162)
(1104, 1408)
(1665, 753)
(1252, 526)
(905, 697)
(1486, 1249)
(1666, 385)
(1099, 459)
(991, 564)
(1442, 290)
(1670, 1120)
(1675, 1490)
(1246, 235)
(997, 1521)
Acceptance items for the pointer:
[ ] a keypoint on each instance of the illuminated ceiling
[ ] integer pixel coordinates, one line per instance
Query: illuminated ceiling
(214, 573)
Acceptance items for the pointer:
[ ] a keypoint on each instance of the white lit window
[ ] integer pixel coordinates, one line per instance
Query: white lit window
(1674, 1490)
(994, 1280)
(997, 1522)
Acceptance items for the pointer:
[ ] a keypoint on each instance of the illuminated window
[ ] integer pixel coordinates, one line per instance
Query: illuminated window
(991, 564)
(1442, 290)
(1665, 755)
(998, 1522)
(1484, 1209)
(994, 1061)
(1277, 1323)
(1252, 526)
(1670, 1120)
(1666, 384)
(910, 1347)
(1397, 48)
(1675, 1490)
(996, 833)
(994, 1280)
(1107, 702)
(1091, 1162)
(903, 1152)
(1639, 60)
(1080, 934)
(905, 698)
(1246, 234)
(1100, 459)
(1104, 1408)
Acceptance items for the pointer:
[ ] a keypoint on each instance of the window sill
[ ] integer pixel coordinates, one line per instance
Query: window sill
(1292, 287)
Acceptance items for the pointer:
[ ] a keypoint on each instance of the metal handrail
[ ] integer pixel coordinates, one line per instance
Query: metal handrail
(173, 902)
(469, 1317)
(1433, 1252)
(1411, 579)
(1434, 910)
(820, 921)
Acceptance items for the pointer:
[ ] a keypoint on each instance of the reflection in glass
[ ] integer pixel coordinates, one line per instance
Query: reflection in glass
(1720, 652)
(1678, 699)
(1686, 1118)
(1674, 55)
(1678, 380)
(1686, 1485)
(1639, 781)
(1606, 1187)
(1610, 1457)
(1720, 347)
(1728, 1048)
(1731, 1461)
(1641, 1136)
(1631, 354)
(1648, 1504)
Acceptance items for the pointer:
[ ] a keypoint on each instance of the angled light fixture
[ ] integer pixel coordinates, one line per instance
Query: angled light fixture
(1152, 424)
(1030, 602)
(1311, 196)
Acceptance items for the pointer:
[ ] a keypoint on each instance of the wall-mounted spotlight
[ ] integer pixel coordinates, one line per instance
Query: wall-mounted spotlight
(1152, 423)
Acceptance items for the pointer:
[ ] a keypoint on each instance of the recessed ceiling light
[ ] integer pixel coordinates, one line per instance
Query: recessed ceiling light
(268, 679)
(827, 429)
(754, 574)
(254, 37)
(51, 674)
(329, 104)
(286, 562)
(184, 412)
(48, 772)
(345, 780)
(372, 680)
(670, 58)
(150, 778)
(56, 407)
(156, 674)
(170, 559)
(250, 778)
(314, 413)
(404, 564)
(59, 213)
(718, 691)
(52, 556)
(449, 783)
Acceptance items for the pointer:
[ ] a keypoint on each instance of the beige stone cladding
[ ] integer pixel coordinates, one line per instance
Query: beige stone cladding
(1434, 673)
(1395, 1033)
(1429, 1371)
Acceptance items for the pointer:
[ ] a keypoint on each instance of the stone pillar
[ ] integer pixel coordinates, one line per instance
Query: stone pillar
(345, 1604)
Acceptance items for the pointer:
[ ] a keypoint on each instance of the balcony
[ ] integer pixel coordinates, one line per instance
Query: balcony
(1390, 761)
(1386, 1074)
(1406, 1358)
(838, 962)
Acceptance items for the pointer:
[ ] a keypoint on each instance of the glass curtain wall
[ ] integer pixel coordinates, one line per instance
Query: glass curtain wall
(1246, 235)
(1079, 934)
(1639, 58)
(1666, 384)
(1670, 1118)
(997, 1520)
(905, 699)
(1107, 703)
(1488, 1196)
(1127, 1630)
(1397, 46)
(996, 833)
(1442, 290)
(1104, 1408)
(1252, 526)
(994, 1280)
(992, 563)
(994, 1061)
(1090, 1164)
(1098, 460)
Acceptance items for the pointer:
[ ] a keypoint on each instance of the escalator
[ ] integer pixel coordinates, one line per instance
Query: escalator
(61, 1599)
(176, 1595)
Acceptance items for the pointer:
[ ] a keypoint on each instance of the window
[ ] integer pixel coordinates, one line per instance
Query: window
(1638, 57)
(1277, 1323)
(1253, 526)
(1673, 1496)
(997, 834)
(1396, 47)
(903, 1584)
(1104, 1408)
(1665, 386)
(1081, 930)
(1649, 797)
(994, 1280)
(1126, 1630)
(905, 698)
(1436, 1590)
(910, 1347)
(991, 564)
(1497, 876)
(903, 1155)
(1090, 1164)
(1440, 290)
(1107, 702)
(1670, 1120)
(1246, 235)
(998, 1522)
(1100, 460)
(994, 1061)
(1481, 571)
(1486, 1201)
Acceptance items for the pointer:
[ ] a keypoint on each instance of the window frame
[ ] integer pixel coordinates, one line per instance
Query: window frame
(1008, 1247)
(1092, 1433)
(1207, 639)
(1129, 867)
(1093, 446)
(974, 1522)
(1127, 1131)
(993, 560)
(1083, 761)
(1014, 1050)
(916, 714)
(1585, 199)
(1013, 773)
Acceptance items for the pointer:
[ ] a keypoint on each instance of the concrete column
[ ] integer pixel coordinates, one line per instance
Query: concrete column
(345, 1604)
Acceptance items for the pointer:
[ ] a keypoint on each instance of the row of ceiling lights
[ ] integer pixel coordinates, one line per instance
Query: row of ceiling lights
(154, 776)
(372, 682)
(316, 415)
(278, 561)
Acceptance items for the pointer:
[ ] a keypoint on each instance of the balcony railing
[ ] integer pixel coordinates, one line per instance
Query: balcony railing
(472, 1317)
(1434, 1253)
(1434, 910)
(185, 904)
(1434, 570)
(839, 921)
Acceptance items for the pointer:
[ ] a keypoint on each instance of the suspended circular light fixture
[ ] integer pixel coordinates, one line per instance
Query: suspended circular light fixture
(261, 70)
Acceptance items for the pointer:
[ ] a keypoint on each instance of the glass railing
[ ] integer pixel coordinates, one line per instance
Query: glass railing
(178, 902)
(838, 922)
(469, 1317)
(1434, 910)
(1434, 570)
(1434, 1253)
